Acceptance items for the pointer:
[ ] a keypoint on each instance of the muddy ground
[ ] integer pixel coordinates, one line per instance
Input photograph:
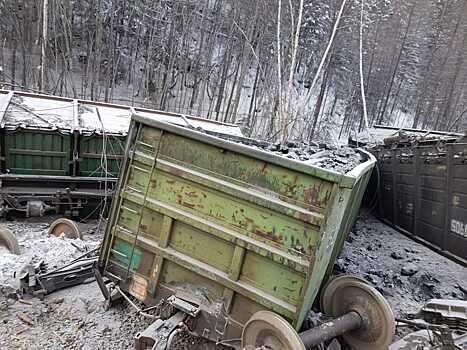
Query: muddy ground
(75, 318)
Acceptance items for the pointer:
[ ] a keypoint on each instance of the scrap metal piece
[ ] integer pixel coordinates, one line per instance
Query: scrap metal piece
(413, 341)
(64, 226)
(160, 333)
(102, 285)
(32, 280)
(426, 339)
(8, 239)
(124, 296)
(440, 320)
(183, 305)
(345, 294)
(448, 312)
(77, 273)
(268, 330)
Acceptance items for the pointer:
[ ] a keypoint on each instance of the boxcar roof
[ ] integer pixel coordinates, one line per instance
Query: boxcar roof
(35, 111)
(379, 133)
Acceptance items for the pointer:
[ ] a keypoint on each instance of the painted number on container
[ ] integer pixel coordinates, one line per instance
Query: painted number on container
(459, 227)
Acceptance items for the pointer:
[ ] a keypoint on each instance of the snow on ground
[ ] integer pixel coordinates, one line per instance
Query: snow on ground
(73, 318)
(36, 245)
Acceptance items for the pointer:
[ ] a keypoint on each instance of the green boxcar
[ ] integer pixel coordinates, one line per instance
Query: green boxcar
(219, 223)
(91, 151)
(37, 152)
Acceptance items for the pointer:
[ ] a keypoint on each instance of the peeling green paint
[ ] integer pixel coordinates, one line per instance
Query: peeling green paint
(256, 230)
(123, 254)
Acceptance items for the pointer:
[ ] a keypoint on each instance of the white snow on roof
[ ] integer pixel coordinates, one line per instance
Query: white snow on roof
(113, 120)
(48, 112)
(168, 118)
(188, 121)
(29, 111)
(233, 130)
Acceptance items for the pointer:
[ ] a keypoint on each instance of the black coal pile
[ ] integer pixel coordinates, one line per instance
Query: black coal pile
(405, 272)
(339, 159)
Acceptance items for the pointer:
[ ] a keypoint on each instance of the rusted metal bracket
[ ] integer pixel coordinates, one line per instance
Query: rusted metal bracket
(111, 297)
(159, 335)
(183, 306)
(100, 282)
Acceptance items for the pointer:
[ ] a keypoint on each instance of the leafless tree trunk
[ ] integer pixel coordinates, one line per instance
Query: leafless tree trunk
(45, 40)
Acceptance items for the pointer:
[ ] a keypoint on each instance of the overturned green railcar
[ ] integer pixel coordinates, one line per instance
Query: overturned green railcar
(227, 228)
(64, 155)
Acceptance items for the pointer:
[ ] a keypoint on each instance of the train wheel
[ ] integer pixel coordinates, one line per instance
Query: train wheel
(341, 277)
(267, 330)
(347, 293)
(65, 226)
(8, 239)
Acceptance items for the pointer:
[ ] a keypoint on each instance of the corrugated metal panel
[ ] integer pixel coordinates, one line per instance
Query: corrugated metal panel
(423, 191)
(432, 195)
(404, 171)
(91, 160)
(456, 223)
(386, 161)
(37, 153)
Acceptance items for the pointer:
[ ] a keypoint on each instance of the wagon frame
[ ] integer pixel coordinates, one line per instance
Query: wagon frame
(181, 191)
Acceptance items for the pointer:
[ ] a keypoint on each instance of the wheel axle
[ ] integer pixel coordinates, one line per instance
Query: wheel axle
(329, 330)
(362, 317)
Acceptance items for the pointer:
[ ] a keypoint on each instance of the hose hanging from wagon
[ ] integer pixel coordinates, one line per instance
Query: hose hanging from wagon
(139, 311)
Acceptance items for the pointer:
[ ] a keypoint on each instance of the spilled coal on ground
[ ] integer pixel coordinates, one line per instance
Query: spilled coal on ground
(405, 272)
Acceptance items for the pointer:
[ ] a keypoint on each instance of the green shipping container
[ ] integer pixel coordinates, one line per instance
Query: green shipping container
(225, 226)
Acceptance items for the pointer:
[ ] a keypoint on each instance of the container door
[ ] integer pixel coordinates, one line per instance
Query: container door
(92, 151)
(37, 152)
(456, 232)
(385, 164)
(431, 213)
(404, 180)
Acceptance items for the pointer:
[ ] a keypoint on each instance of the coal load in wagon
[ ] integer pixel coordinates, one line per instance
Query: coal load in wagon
(340, 159)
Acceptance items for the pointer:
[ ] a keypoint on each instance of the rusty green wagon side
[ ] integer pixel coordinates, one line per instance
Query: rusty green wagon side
(226, 228)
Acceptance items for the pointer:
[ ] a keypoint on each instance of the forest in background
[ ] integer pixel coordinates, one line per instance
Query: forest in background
(254, 63)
